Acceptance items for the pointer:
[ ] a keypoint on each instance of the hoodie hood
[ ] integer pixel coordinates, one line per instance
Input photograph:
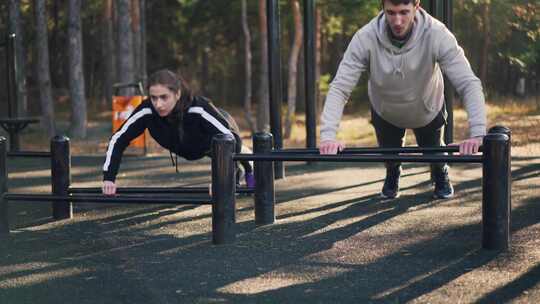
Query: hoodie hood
(421, 25)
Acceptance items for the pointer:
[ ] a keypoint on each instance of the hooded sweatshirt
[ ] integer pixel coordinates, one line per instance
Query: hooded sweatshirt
(406, 86)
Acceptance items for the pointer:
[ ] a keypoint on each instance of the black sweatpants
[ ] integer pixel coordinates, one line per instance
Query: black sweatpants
(390, 136)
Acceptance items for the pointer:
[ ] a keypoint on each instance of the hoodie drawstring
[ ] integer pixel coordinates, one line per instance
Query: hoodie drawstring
(398, 70)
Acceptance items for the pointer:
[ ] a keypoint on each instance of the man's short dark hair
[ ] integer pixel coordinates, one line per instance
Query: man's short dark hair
(397, 2)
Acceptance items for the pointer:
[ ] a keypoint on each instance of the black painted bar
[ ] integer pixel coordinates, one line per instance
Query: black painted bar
(4, 217)
(264, 175)
(274, 81)
(496, 192)
(112, 199)
(309, 72)
(375, 150)
(61, 176)
(449, 91)
(223, 189)
(11, 83)
(156, 190)
(29, 154)
(362, 158)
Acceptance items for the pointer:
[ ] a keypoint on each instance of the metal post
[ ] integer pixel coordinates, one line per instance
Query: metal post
(274, 79)
(223, 189)
(4, 217)
(495, 192)
(449, 91)
(309, 67)
(11, 84)
(61, 176)
(498, 129)
(264, 175)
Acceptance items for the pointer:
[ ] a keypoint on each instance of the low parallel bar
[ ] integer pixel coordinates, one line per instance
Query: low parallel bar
(29, 154)
(123, 199)
(157, 190)
(375, 150)
(361, 158)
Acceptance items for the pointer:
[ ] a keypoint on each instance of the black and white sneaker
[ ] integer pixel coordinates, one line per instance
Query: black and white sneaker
(443, 186)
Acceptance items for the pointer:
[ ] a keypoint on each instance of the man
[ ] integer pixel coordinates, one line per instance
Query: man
(404, 50)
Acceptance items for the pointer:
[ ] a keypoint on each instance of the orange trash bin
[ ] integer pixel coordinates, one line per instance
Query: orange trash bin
(122, 107)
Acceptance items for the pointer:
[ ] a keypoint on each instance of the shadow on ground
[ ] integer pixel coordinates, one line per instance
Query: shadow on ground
(351, 250)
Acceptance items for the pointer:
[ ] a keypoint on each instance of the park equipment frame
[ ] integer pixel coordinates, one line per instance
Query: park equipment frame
(63, 196)
(496, 176)
(13, 124)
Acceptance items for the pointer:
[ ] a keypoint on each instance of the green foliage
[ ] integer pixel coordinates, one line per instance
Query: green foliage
(203, 39)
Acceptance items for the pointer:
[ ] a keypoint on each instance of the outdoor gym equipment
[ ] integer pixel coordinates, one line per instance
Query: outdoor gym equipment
(495, 160)
(63, 196)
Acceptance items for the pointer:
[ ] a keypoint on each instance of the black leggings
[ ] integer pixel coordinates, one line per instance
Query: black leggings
(236, 132)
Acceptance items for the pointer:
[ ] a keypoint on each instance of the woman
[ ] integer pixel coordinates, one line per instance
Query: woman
(180, 122)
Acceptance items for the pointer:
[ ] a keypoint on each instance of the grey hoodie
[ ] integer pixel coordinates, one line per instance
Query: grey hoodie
(405, 85)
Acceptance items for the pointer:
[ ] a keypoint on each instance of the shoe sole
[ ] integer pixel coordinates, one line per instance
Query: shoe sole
(390, 197)
(443, 196)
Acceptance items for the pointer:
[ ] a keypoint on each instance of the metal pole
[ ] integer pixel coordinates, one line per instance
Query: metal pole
(10, 62)
(264, 175)
(223, 189)
(9, 84)
(495, 192)
(13, 100)
(449, 91)
(4, 217)
(309, 67)
(61, 176)
(155, 190)
(498, 129)
(365, 158)
(274, 75)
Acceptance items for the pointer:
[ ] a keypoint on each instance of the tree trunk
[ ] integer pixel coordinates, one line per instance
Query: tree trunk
(20, 99)
(136, 29)
(486, 28)
(76, 76)
(290, 118)
(124, 47)
(247, 68)
(263, 104)
(108, 53)
(43, 69)
(205, 70)
(318, 56)
(142, 69)
(55, 47)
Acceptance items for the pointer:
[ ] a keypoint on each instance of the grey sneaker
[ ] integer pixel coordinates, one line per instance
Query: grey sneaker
(443, 186)
(390, 188)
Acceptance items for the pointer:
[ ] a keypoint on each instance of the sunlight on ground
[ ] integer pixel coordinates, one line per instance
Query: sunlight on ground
(281, 278)
(37, 278)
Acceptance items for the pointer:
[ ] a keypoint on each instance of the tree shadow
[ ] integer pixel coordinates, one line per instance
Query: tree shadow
(124, 258)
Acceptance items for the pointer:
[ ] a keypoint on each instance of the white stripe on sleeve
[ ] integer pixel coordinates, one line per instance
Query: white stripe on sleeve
(211, 119)
(129, 122)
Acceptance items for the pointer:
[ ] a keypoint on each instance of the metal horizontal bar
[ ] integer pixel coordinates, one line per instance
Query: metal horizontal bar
(156, 190)
(375, 150)
(123, 199)
(361, 158)
(28, 154)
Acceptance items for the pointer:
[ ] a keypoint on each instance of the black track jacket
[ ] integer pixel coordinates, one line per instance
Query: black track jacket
(201, 121)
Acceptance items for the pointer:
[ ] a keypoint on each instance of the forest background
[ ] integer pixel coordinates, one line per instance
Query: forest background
(71, 52)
